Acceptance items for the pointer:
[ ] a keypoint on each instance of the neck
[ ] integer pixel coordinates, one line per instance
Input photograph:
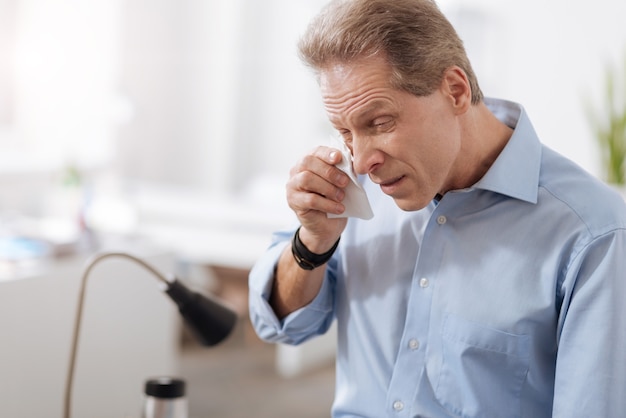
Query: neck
(484, 137)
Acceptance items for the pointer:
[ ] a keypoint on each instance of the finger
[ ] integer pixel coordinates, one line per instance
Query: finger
(310, 204)
(330, 155)
(320, 166)
(308, 181)
(307, 191)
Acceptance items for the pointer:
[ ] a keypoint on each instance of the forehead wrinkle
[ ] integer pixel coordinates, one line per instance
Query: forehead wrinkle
(349, 87)
(354, 108)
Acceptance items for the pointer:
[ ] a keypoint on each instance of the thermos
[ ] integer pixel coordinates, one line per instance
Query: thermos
(165, 398)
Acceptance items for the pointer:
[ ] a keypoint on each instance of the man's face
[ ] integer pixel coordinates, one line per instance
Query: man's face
(406, 144)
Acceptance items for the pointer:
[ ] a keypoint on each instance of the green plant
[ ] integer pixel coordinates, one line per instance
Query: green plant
(609, 124)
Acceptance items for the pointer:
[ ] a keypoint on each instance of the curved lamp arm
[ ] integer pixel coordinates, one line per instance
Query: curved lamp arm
(209, 320)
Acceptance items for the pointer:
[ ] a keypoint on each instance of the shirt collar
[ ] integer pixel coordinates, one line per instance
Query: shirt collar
(515, 172)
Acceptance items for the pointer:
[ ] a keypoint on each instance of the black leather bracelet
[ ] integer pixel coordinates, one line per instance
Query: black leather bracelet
(305, 258)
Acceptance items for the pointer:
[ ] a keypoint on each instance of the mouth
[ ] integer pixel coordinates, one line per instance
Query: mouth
(389, 186)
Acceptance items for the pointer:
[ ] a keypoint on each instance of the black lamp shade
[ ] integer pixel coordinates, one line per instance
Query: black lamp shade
(209, 320)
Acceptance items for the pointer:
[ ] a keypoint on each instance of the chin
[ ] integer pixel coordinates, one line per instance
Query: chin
(411, 205)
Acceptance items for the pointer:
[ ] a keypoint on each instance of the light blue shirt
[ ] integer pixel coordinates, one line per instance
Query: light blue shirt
(506, 299)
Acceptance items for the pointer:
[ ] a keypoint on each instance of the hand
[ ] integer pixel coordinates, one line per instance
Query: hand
(315, 188)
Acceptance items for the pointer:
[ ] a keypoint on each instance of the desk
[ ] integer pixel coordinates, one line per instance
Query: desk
(130, 332)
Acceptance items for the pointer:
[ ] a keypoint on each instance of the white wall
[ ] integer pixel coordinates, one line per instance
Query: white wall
(58, 62)
(219, 93)
(65, 60)
(179, 66)
(548, 55)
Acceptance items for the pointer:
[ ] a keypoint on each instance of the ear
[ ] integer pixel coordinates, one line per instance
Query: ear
(456, 87)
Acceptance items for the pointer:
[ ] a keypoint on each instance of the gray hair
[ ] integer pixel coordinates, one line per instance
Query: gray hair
(414, 36)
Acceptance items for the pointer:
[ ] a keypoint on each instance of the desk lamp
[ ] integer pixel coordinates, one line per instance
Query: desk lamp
(207, 319)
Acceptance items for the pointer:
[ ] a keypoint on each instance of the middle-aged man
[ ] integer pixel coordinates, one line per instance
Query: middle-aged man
(491, 281)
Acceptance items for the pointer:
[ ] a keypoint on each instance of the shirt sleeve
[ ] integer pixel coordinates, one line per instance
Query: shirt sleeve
(301, 325)
(591, 360)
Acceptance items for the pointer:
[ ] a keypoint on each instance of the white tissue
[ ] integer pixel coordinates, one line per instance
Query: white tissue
(355, 201)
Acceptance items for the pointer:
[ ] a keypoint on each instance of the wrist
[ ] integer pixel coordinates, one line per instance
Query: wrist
(305, 257)
(314, 243)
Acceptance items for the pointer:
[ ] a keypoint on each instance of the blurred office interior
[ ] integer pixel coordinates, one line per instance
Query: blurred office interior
(167, 128)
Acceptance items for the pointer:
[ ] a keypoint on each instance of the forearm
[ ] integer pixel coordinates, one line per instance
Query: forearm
(312, 320)
(293, 286)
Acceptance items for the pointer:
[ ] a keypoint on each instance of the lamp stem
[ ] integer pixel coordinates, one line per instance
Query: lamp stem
(79, 313)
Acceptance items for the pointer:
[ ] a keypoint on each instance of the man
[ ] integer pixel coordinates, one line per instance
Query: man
(491, 280)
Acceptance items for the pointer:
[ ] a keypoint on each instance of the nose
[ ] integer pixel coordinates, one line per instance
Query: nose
(365, 156)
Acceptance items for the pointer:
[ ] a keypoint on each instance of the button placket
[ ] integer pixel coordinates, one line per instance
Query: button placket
(414, 340)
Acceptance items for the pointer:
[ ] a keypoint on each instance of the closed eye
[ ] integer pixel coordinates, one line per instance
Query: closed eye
(382, 124)
(345, 135)
(381, 120)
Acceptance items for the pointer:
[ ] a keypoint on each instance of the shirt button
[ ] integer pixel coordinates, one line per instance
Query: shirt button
(414, 344)
(398, 406)
(423, 282)
(441, 219)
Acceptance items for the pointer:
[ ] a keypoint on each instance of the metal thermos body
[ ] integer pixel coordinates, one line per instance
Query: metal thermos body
(165, 398)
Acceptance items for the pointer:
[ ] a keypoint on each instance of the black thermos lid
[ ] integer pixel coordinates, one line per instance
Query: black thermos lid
(165, 387)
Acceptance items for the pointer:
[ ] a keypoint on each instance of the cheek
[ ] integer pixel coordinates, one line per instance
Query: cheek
(433, 154)
(444, 140)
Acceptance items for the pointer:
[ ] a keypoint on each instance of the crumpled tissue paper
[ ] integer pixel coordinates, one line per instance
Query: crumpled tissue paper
(356, 202)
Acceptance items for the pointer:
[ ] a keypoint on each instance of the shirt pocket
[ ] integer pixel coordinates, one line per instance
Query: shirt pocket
(483, 369)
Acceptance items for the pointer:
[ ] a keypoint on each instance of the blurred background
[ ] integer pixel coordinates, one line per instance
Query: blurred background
(169, 126)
